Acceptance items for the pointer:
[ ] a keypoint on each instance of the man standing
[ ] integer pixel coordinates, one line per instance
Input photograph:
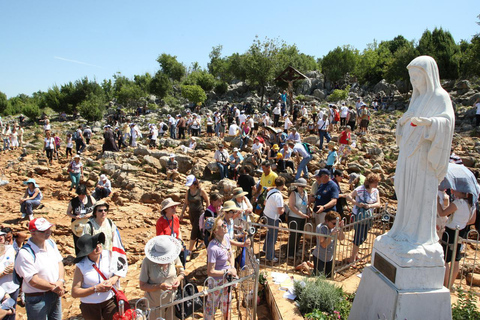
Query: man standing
(172, 123)
(301, 152)
(276, 114)
(351, 118)
(325, 197)
(273, 210)
(40, 265)
(181, 125)
(87, 134)
(322, 125)
(79, 143)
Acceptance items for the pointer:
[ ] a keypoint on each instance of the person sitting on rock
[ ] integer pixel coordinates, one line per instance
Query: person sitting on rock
(257, 150)
(294, 136)
(172, 168)
(31, 199)
(285, 161)
(103, 188)
(235, 162)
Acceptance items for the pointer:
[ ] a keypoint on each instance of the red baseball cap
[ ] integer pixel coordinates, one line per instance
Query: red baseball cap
(39, 224)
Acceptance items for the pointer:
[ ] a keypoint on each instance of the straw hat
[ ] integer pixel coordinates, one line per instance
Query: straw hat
(78, 226)
(167, 203)
(229, 206)
(163, 249)
(238, 192)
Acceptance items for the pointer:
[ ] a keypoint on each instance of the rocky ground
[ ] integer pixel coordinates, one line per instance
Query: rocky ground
(139, 185)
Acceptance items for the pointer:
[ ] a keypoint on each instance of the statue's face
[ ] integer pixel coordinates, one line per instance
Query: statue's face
(417, 78)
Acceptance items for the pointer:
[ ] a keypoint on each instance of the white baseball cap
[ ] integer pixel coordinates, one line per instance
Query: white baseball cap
(190, 180)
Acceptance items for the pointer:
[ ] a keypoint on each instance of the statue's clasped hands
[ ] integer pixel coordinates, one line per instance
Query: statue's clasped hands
(421, 121)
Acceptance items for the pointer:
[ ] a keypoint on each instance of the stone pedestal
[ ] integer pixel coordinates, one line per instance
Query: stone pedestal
(403, 282)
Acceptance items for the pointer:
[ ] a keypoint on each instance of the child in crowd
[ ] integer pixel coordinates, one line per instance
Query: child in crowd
(69, 146)
(58, 142)
(332, 157)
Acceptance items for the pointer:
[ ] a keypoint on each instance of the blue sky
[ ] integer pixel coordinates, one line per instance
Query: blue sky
(43, 43)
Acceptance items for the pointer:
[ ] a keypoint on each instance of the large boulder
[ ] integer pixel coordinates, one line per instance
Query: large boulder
(185, 163)
(320, 94)
(152, 161)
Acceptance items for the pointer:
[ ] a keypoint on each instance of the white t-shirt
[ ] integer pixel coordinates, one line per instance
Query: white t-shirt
(242, 117)
(8, 258)
(364, 197)
(50, 143)
(322, 125)
(344, 112)
(256, 147)
(274, 201)
(45, 264)
(233, 130)
(288, 123)
(461, 216)
(300, 149)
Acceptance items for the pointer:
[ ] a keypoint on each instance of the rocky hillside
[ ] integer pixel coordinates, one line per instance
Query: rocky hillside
(139, 180)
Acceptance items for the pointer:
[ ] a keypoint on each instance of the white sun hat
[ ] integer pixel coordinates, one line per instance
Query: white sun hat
(163, 249)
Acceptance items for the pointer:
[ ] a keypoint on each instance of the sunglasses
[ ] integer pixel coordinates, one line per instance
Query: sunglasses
(102, 210)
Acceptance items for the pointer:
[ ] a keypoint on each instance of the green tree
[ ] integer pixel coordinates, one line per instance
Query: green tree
(31, 110)
(171, 67)
(160, 85)
(470, 58)
(371, 63)
(339, 61)
(143, 81)
(289, 55)
(440, 45)
(3, 102)
(217, 65)
(201, 78)
(261, 62)
(396, 69)
(236, 67)
(129, 93)
(194, 93)
(107, 87)
(92, 108)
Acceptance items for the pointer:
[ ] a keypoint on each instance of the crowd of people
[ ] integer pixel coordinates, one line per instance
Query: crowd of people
(269, 148)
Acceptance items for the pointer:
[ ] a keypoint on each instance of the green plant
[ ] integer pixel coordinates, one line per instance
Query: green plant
(171, 101)
(300, 97)
(194, 93)
(221, 87)
(32, 111)
(317, 293)
(92, 108)
(465, 307)
(338, 94)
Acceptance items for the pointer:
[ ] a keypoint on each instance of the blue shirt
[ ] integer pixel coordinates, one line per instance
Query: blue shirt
(325, 193)
(331, 158)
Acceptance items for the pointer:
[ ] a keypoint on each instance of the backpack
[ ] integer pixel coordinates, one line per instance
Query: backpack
(75, 135)
(307, 148)
(164, 127)
(336, 115)
(91, 225)
(16, 278)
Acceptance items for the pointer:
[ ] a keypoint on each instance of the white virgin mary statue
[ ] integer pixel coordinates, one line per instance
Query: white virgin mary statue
(424, 136)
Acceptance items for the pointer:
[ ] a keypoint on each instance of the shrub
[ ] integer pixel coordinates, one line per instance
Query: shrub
(171, 101)
(12, 109)
(465, 308)
(92, 108)
(194, 93)
(32, 111)
(221, 87)
(317, 293)
(338, 94)
(300, 97)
